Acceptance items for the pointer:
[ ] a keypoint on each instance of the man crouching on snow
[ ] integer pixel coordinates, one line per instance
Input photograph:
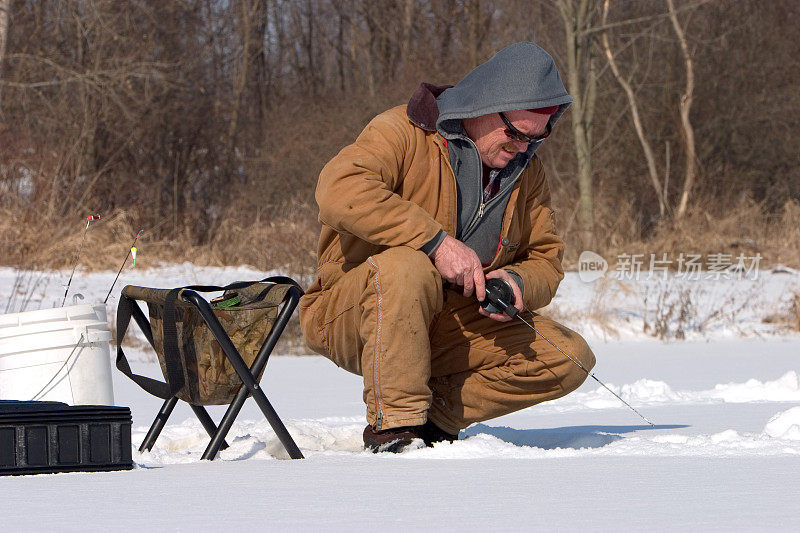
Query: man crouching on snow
(432, 199)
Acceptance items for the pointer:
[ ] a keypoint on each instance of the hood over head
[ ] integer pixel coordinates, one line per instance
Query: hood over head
(520, 76)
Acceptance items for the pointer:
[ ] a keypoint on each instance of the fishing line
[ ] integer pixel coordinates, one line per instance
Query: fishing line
(498, 295)
(131, 252)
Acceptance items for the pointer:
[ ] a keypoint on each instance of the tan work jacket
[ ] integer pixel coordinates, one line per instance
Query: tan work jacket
(394, 186)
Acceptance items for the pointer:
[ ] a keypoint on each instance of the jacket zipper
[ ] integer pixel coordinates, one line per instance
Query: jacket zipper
(377, 370)
(482, 210)
(481, 207)
(377, 363)
(465, 232)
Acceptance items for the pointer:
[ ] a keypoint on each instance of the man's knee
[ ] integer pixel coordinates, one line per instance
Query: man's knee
(406, 269)
(581, 360)
(578, 349)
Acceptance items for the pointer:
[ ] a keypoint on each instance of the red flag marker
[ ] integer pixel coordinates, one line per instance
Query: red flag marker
(89, 220)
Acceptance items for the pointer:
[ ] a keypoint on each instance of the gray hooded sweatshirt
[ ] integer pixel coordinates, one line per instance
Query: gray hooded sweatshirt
(520, 76)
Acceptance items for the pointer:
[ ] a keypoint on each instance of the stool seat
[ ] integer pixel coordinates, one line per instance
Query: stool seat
(210, 354)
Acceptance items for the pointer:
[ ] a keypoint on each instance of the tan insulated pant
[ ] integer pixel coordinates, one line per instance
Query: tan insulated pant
(427, 353)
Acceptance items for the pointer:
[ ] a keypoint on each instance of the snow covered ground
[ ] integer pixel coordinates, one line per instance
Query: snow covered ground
(724, 453)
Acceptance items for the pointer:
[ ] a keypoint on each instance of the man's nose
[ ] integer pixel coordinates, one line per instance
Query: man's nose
(516, 146)
(521, 146)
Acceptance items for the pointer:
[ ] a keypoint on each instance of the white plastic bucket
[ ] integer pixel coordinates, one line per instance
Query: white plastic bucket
(59, 354)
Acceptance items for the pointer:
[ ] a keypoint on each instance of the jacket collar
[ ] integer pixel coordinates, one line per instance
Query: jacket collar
(422, 109)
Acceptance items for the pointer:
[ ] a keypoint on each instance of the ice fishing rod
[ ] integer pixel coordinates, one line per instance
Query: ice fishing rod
(131, 251)
(89, 220)
(500, 299)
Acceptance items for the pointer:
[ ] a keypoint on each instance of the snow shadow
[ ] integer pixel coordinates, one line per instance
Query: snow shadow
(575, 437)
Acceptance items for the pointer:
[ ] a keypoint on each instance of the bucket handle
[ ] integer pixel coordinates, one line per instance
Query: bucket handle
(66, 361)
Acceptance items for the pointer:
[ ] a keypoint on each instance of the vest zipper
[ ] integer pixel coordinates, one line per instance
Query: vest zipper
(466, 232)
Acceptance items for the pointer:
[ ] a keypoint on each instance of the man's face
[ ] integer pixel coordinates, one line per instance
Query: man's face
(494, 146)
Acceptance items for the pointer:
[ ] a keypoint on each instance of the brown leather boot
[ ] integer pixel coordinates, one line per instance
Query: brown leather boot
(431, 434)
(396, 440)
(393, 440)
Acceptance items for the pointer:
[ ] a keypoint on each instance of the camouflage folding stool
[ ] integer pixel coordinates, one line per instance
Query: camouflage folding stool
(208, 350)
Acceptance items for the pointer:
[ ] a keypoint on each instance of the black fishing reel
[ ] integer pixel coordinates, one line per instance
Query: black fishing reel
(499, 297)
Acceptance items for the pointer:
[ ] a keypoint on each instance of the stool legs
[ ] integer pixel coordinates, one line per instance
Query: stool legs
(269, 412)
(248, 380)
(158, 424)
(208, 424)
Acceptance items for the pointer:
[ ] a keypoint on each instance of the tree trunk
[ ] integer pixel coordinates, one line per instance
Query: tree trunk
(311, 56)
(473, 8)
(409, 8)
(582, 85)
(261, 79)
(340, 49)
(685, 108)
(239, 82)
(637, 121)
(5, 11)
(368, 49)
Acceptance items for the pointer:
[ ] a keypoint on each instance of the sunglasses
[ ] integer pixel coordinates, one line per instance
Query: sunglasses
(515, 135)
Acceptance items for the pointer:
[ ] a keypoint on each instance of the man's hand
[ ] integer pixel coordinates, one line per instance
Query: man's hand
(459, 264)
(503, 274)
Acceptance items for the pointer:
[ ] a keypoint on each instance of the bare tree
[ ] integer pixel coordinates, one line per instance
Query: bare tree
(5, 11)
(200, 117)
(247, 52)
(408, 9)
(661, 192)
(578, 18)
(478, 22)
(685, 108)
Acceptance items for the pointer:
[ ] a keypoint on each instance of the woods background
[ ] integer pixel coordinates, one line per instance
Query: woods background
(205, 123)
